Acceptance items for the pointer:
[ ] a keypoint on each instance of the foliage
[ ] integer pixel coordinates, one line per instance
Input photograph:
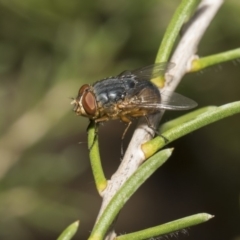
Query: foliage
(50, 48)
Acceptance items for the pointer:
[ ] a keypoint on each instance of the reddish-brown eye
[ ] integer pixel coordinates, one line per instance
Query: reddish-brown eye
(82, 89)
(89, 103)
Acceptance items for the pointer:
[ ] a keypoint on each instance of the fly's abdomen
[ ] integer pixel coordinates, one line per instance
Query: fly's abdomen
(144, 92)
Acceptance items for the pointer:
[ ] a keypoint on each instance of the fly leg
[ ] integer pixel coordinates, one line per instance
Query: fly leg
(127, 119)
(95, 132)
(96, 123)
(123, 135)
(155, 131)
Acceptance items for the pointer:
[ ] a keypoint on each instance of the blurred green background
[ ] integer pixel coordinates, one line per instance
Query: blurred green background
(48, 49)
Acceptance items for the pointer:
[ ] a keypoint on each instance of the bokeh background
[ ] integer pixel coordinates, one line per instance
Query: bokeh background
(48, 49)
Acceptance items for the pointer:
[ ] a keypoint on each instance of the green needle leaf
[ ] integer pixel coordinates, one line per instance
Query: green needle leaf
(126, 191)
(95, 159)
(181, 15)
(201, 63)
(199, 121)
(69, 232)
(167, 227)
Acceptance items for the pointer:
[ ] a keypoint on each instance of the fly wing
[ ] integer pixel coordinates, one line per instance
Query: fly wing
(172, 101)
(175, 101)
(152, 71)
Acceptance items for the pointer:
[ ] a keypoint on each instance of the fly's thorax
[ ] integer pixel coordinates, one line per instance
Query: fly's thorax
(85, 103)
(112, 90)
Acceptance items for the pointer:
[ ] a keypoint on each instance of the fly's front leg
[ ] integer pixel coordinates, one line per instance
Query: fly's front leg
(91, 123)
(96, 125)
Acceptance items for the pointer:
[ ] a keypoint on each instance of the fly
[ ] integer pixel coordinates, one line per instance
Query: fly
(128, 96)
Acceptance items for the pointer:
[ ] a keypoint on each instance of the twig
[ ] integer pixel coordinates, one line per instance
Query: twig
(182, 57)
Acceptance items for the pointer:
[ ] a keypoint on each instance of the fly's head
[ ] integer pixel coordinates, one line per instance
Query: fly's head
(85, 103)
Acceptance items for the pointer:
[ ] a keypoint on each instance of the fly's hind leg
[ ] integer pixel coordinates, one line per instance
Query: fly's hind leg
(155, 131)
(123, 135)
(127, 120)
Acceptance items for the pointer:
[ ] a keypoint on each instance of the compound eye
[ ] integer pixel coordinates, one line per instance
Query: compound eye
(83, 89)
(89, 103)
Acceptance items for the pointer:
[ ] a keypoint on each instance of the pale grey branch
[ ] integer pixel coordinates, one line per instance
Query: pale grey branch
(184, 53)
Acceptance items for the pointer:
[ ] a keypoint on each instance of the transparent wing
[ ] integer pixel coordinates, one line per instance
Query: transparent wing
(176, 101)
(151, 71)
(172, 101)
